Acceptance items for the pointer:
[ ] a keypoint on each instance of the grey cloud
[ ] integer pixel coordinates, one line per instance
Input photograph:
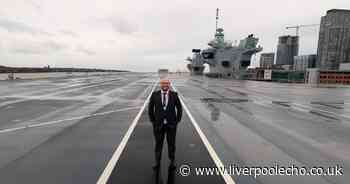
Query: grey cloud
(85, 50)
(35, 4)
(37, 48)
(110, 41)
(19, 27)
(122, 25)
(55, 46)
(27, 50)
(151, 34)
(69, 33)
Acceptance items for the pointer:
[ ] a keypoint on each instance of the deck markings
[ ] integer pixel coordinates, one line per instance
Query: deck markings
(299, 106)
(115, 157)
(228, 179)
(35, 125)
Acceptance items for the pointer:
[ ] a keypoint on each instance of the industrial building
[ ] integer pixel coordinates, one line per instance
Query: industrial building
(267, 60)
(301, 63)
(255, 74)
(284, 76)
(275, 75)
(344, 66)
(287, 48)
(334, 40)
(317, 76)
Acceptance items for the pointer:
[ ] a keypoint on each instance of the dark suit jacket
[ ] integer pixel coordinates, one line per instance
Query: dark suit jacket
(172, 113)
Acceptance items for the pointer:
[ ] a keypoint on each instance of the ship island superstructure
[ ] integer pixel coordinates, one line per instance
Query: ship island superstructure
(224, 58)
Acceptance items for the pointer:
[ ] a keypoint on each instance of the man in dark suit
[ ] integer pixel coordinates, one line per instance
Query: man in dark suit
(165, 112)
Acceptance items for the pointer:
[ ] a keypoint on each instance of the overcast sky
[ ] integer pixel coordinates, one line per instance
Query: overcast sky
(144, 35)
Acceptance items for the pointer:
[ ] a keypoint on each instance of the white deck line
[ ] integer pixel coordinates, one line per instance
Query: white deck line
(115, 157)
(35, 125)
(228, 179)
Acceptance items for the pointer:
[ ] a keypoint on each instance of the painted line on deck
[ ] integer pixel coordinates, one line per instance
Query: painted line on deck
(297, 106)
(36, 125)
(115, 157)
(228, 179)
(300, 107)
(320, 110)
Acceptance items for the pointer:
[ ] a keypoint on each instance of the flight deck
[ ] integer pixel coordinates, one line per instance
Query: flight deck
(95, 129)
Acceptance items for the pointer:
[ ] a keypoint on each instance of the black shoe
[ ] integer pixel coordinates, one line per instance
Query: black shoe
(156, 167)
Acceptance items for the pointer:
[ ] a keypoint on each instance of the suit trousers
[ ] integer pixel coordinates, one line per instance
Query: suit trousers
(159, 132)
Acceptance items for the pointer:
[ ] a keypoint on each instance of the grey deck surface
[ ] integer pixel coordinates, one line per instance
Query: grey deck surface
(135, 163)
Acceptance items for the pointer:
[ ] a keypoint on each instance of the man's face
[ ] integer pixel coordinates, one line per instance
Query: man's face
(164, 85)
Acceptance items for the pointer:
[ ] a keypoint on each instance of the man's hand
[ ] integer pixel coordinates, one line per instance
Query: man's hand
(151, 107)
(178, 108)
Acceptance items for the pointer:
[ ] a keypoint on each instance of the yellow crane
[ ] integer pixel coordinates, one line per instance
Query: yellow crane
(297, 27)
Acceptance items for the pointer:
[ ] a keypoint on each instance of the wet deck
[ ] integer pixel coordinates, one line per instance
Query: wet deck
(66, 130)
(135, 163)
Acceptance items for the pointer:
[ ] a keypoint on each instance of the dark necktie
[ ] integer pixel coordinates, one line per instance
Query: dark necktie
(164, 102)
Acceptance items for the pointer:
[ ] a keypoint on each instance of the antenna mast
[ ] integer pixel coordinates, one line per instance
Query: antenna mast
(217, 19)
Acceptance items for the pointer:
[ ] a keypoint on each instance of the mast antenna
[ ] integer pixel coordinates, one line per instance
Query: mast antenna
(217, 19)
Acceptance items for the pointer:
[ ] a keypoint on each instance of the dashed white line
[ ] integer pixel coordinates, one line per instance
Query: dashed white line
(323, 111)
(33, 124)
(301, 107)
